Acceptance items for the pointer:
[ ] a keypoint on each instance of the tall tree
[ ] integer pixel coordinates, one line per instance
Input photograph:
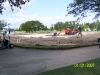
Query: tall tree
(27, 26)
(80, 8)
(31, 26)
(12, 3)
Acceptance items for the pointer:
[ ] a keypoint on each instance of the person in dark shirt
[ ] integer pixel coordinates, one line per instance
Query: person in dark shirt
(79, 31)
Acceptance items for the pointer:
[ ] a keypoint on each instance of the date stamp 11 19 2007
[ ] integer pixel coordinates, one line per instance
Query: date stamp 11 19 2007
(90, 65)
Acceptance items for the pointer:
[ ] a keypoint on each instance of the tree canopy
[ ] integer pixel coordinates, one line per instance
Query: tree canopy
(31, 26)
(65, 25)
(59, 26)
(12, 3)
(81, 8)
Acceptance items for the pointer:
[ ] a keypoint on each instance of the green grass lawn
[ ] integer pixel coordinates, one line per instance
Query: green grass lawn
(19, 32)
(91, 67)
(86, 68)
(22, 32)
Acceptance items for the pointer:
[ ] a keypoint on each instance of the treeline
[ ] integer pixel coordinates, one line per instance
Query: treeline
(33, 26)
(62, 25)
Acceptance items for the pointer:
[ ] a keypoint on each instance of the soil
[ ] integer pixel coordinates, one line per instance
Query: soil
(49, 39)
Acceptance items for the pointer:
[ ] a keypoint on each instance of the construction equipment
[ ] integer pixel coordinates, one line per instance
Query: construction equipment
(69, 31)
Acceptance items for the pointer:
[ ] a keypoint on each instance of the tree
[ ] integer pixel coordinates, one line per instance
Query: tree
(45, 28)
(66, 25)
(92, 25)
(31, 26)
(80, 8)
(2, 24)
(72, 24)
(27, 26)
(97, 26)
(38, 25)
(84, 26)
(12, 3)
(59, 26)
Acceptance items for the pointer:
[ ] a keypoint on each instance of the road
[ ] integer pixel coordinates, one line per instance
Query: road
(20, 61)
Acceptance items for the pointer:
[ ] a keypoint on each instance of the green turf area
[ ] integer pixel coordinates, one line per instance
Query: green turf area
(38, 32)
(19, 32)
(86, 68)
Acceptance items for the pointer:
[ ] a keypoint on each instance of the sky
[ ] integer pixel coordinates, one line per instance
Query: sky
(47, 12)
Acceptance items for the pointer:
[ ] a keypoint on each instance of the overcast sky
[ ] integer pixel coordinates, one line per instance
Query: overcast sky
(46, 11)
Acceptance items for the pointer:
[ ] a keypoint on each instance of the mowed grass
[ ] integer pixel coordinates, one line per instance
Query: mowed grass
(19, 32)
(38, 32)
(77, 70)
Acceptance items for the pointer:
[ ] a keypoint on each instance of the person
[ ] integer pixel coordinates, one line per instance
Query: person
(4, 33)
(79, 31)
(55, 33)
(5, 41)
